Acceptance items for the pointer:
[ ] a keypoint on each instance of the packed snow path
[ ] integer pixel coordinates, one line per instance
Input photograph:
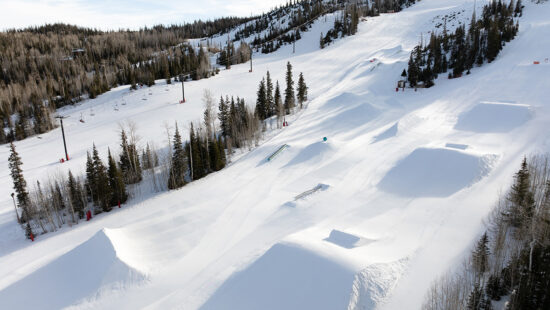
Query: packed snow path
(230, 236)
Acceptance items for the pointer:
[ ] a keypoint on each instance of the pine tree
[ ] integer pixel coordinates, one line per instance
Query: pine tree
(521, 197)
(103, 192)
(270, 103)
(413, 71)
(177, 168)
(91, 189)
(223, 117)
(116, 182)
(261, 101)
(19, 184)
(289, 91)
(301, 90)
(279, 104)
(75, 195)
(194, 148)
(480, 256)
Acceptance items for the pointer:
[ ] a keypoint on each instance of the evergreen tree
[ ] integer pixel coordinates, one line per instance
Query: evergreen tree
(103, 192)
(222, 158)
(75, 195)
(270, 103)
(223, 117)
(177, 167)
(521, 197)
(19, 184)
(91, 189)
(413, 71)
(261, 101)
(279, 103)
(480, 256)
(289, 91)
(301, 90)
(116, 182)
(194, 149)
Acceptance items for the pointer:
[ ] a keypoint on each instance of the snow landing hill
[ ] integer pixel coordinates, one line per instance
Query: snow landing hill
(406, 181)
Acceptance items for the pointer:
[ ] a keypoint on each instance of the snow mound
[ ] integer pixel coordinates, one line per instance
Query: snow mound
(372, 284)
(347, 111)
(313, 153)
(435, 172)
(84, 272)
(493, 117)
(346, 240)
(287, 277)
(388, 133)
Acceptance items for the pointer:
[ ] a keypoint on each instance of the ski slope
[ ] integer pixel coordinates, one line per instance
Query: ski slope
(409, 177)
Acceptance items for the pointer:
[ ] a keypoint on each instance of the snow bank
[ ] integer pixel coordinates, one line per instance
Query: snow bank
(287, 277)
(493, 117)
(435, 173)
(89, 269)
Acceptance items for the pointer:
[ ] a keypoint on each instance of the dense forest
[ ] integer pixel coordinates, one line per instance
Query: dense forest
(510, 262)
(47, 67)
(465, 48)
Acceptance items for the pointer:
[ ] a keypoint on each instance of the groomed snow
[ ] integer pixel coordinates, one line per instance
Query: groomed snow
(218, 241)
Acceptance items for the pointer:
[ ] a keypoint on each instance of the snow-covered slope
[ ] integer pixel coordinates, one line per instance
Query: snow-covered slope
(408, 178)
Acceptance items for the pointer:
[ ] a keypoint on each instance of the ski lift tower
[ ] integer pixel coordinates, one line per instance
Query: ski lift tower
(182, 79)
(63, 134)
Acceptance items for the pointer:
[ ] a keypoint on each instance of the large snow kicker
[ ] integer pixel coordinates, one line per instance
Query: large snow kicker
(87, 271)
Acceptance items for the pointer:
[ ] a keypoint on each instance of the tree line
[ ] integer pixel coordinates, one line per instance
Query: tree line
(105, 184)
(465, 48)
(511, 260)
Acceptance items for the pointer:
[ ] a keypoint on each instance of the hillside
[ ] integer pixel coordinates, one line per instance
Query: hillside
(405, 180)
